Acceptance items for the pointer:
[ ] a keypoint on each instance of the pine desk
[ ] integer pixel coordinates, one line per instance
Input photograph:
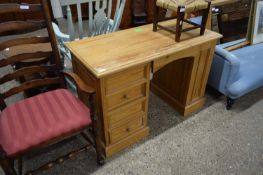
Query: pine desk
(118, 66)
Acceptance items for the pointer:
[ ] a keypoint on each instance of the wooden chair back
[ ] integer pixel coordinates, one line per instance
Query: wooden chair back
(44, 63)
(100, 12)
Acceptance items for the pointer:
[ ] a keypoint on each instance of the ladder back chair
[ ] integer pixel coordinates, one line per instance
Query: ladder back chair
(182, 7)
(99, 21)
(45, 119)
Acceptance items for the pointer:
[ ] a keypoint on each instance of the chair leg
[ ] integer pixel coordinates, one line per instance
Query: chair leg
(219, 23)
(6, 163)
(20, 166)
(100, 158)
(204, 19)
(156, 16)
(229, 103)
(95, 131)
(179, 23)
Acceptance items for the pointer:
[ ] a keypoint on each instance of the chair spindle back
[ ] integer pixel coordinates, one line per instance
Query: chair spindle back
(99, 12)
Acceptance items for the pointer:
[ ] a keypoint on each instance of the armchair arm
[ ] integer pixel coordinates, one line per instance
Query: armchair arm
(228, 56)
(232, 43)
(81, 85)
(224, 70)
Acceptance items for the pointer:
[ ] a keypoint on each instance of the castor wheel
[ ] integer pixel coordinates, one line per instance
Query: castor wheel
(100, 161)
(229, 103)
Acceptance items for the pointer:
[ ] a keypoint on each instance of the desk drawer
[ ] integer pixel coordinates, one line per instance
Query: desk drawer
(125, 79)
(126, 113)
(125, 96)
(125, 130)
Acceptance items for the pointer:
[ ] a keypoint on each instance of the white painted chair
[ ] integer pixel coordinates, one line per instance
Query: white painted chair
(99, 21)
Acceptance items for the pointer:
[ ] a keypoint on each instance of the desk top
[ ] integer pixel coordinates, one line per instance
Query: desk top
(106, 54)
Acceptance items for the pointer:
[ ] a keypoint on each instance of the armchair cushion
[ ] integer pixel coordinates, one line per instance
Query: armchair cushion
(36, 120)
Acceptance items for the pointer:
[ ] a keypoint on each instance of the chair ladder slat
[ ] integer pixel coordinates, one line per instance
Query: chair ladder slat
(22, 41)
(24, 56)
(26, 71)
(19, 8)
(31, 84)
(32, 62)
(18, 26)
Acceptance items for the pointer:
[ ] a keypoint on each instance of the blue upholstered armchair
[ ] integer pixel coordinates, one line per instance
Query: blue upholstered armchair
(237, 73)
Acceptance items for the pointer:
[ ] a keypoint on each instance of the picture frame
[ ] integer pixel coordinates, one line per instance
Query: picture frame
(257, 23)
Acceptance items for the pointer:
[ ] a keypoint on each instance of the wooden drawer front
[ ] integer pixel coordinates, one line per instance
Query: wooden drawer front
(125, 79)
(125, 130)
(124, 114)
(125, 96)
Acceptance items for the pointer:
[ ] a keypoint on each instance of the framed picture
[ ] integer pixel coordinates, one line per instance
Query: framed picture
(257, 27)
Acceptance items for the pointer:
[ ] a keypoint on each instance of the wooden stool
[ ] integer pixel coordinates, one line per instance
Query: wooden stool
(181, 7)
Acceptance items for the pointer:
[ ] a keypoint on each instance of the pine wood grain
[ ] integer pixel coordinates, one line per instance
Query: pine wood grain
(118, 66)
(106, 54)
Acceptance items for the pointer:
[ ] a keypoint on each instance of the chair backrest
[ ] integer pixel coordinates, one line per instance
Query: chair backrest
(50, 58)
(99, 12)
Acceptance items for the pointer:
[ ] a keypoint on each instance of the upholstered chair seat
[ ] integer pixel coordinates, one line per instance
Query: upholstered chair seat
(33, 121)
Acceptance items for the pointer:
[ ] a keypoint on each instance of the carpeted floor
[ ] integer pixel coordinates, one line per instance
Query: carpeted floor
(211, 141)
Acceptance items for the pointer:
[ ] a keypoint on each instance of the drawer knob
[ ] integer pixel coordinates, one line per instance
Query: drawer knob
(125, 96)
(128, 129)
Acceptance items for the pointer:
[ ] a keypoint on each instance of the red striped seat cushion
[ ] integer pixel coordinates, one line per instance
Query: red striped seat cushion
(41, 118)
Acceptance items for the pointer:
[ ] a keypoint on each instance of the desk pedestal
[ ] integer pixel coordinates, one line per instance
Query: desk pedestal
(122, 105)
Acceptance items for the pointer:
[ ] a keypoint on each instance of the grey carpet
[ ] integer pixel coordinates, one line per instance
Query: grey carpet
(212, 141)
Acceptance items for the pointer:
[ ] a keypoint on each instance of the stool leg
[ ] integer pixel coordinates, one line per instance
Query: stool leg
(179, 23)
(219, 23)
(204, 19)
(156, 16)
